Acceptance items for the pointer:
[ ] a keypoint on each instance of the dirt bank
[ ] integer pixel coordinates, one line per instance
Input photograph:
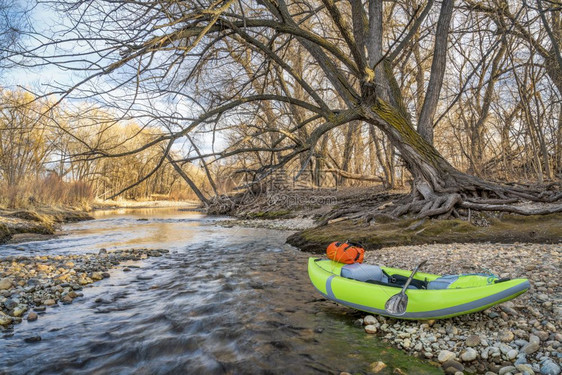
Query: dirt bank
(382, 233)
(19, 225)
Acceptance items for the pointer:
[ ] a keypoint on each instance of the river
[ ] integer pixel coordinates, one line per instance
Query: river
(225, 300)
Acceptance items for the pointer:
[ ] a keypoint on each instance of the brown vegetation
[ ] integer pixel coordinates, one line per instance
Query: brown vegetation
(43, 157)
(448, 97)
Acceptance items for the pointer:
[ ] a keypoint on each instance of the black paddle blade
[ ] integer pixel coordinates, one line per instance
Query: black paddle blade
(396, 305)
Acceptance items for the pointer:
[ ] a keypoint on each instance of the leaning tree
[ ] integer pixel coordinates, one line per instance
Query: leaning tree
(179, 65)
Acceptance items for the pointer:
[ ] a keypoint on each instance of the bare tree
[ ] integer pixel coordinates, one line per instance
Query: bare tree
(142, 58)
(13, 24)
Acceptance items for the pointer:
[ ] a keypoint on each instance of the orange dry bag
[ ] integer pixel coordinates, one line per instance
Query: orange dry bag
(345, 252)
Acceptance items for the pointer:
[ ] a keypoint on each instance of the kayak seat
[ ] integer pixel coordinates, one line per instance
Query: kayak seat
(443, 282)
(364, 272)
(373, 274)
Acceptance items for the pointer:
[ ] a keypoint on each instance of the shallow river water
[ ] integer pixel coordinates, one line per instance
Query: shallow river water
(223, 301)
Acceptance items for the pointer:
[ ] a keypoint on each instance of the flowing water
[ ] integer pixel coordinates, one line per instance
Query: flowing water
(223, 301)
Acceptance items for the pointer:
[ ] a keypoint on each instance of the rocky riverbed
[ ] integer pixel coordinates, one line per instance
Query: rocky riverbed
(522, 336)
(30, 284)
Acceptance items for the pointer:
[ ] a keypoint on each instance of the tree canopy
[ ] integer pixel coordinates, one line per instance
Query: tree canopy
(272, 79)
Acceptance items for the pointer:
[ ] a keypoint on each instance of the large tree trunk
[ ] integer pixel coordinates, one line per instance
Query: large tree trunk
(439, 189)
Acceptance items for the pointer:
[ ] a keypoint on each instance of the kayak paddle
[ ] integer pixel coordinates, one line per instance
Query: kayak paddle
(396, 305)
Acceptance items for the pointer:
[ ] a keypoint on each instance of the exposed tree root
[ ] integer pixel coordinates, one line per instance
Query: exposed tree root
(478, 195)
(426, 201)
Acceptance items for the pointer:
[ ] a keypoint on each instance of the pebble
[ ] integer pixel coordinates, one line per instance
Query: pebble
(19, 310)
(506, 369)
(32, 339)
(534, 339)
(512, 354)
(521, 336)
(525, 369)
(5, 284)
(473, 340)
(521, 359)
(371, 329)
(5, 319)
(38, 281)
(452, 366)
(370, 320)
(377, 367)
(469, 355)
(542, 297)
(550, 368)
(530, 348)
(445, 355)
(506, 336)
(32, 316)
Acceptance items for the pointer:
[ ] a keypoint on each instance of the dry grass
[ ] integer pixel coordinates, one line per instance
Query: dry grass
(51, 191)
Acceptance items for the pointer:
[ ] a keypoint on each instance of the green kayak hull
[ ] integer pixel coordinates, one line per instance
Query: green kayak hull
(422, 303)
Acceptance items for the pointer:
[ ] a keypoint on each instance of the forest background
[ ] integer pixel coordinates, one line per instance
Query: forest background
(481, 81)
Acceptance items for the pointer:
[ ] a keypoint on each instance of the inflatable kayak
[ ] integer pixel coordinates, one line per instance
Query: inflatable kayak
(367, 287)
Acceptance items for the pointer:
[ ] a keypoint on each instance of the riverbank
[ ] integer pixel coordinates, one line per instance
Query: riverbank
(125, 203)
(42, 222)
(522, 336)
(19, 225)
(29, 286)
(385, 232)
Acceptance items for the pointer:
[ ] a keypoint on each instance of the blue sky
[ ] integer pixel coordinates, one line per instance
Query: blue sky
(43, 19)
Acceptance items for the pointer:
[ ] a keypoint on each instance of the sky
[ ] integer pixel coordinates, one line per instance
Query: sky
(42, 19)
(40, 79)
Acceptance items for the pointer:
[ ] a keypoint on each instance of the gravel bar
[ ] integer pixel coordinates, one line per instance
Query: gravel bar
(30, 283)
(521, 336)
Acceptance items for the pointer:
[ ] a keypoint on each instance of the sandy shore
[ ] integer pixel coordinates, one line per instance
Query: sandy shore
(522, 336)
(123, 203)
(297, 223)
(29, 284)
